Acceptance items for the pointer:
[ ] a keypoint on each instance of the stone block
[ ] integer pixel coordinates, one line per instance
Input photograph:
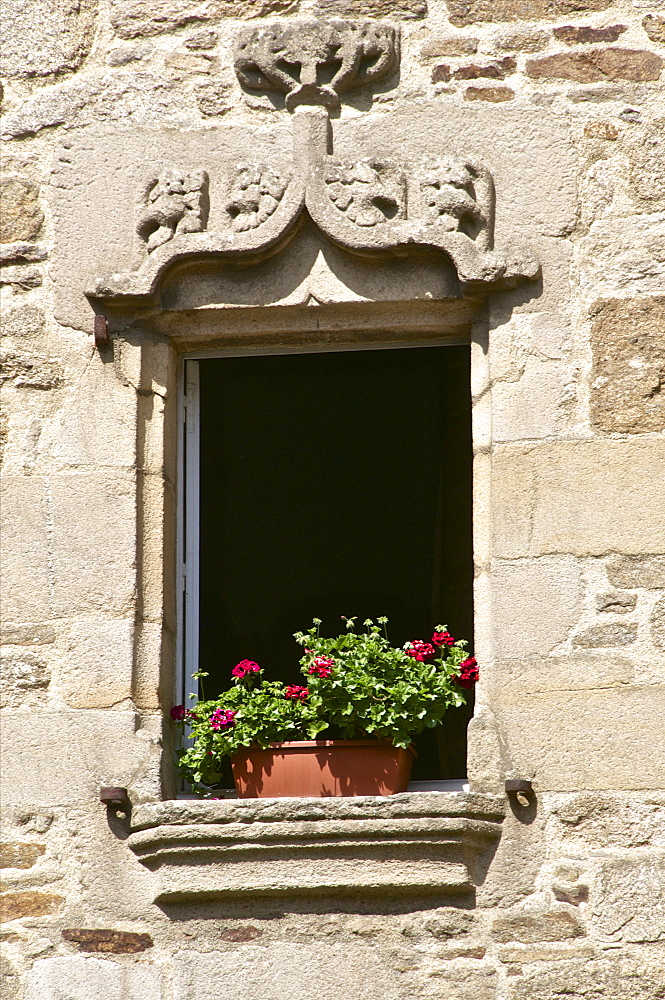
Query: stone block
(67, 756)
(25, 678)
(464, 980)
(597, 66)
(133, 19)
(21, 279)
(107, 941)
(73, 977)
(573, 740)
(584, 498)
(629, 897)
(497, 70)
(535, 602)
(20, 854)
(43, 37)
(30, 371)
(284, 970)
(93, 542)
(494, 95)
(608, 820)
(530, 928)
(627, 374)
(17, 905)
(528, 40)
(657, 624)
(584, 34)
(406, 9)
(654, 25)
(624, 257)
(616, 634)
(449, 45)
(21, 217)
(536, 405)
(463, 12)
(26, 583)
(448, 922)
(617, 602)
(581, 979)
(24, 322)
(95, 667)
(215, 98)
(631, 571)
(574, 672)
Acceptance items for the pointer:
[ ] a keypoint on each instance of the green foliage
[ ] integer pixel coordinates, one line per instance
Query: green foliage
(358, 685)
(376, 689)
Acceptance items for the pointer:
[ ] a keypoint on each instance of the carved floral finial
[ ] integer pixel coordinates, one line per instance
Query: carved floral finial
(313, 62)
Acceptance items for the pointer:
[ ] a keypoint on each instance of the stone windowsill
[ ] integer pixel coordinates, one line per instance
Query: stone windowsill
(414, 842)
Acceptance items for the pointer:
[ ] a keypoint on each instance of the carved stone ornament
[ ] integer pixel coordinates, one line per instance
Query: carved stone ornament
(313, 62)
(173, 202)
(369, 206)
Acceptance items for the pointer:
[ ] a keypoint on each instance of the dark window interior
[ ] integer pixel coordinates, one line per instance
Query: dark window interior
(336, 484)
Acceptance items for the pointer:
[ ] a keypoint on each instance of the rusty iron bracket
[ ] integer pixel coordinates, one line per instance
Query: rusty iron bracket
(521, 788)
(101, 332)
(114, 797)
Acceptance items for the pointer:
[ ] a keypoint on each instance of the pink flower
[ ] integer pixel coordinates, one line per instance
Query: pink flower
(244, 668)
(443, 638)
(422, 651)
(221, 718)
(468, 673)
(296, 692)
(178, 712)
(322, 666)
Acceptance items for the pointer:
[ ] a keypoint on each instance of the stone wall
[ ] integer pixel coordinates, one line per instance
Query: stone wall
(563, 101)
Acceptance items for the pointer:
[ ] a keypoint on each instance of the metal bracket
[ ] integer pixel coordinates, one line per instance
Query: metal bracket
(101, 332)
(114, 797)
(521, 788)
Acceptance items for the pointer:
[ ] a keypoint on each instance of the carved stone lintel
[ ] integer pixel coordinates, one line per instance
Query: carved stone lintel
(313, 62)
(173, 202)
(256, 191)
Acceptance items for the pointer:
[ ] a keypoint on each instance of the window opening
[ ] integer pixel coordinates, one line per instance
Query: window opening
(322, 484)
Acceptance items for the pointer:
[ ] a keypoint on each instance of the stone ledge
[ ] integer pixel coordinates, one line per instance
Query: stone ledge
(413, 843)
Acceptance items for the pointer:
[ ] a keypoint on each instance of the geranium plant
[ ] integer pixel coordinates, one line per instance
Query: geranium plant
(358, 685)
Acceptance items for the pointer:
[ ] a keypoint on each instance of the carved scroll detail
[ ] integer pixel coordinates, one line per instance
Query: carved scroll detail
(256, 191)
(368, 192)
(313, 62)
(174, 203)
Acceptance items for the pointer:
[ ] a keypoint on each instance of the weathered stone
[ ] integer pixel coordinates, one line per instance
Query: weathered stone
(16, 905)
(74, 977)
(654, 25)
(529, 928)
(495, 95)
(403, 9)
(610, 819)
(657, 622)
(629, 902)
(597, 65)
(42, 37)
(188, 62)
(10, 984)
(464, 981)
(647, 166)
(240, 934)
(26, 321)
(463, 12)
(571, 894)
(215, 98)
(448, 922)
(573, 672)
(202, 40)
(607, 635)
(523, 41)
(564, 497)
(21, 253)
(581, 979)
(449, 45)
(441, 74)
(631, 571)
(618, 603)
(25, 678)
(108, 941)
(497, 70)
(25, 567)
(601, 130)
(583, 34)
(628, 365)
(547, 593)
(132, 19)
(125, 54)
(20, 278)
(20, 215)
(29, 372)
(20, 854)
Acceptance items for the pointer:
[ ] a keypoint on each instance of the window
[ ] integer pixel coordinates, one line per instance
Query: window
(322, 484)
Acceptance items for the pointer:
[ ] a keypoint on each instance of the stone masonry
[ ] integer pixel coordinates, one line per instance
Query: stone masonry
(521, 146)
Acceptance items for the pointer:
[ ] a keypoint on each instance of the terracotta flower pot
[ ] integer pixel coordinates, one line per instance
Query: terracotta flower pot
(321, 768)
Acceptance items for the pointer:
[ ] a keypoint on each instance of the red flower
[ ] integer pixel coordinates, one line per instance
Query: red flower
(322, 666)
(245, 667)
(422, 651)
(178, 713)
(296, 692)
(468, 673)
(442, 638)
(221, 718)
